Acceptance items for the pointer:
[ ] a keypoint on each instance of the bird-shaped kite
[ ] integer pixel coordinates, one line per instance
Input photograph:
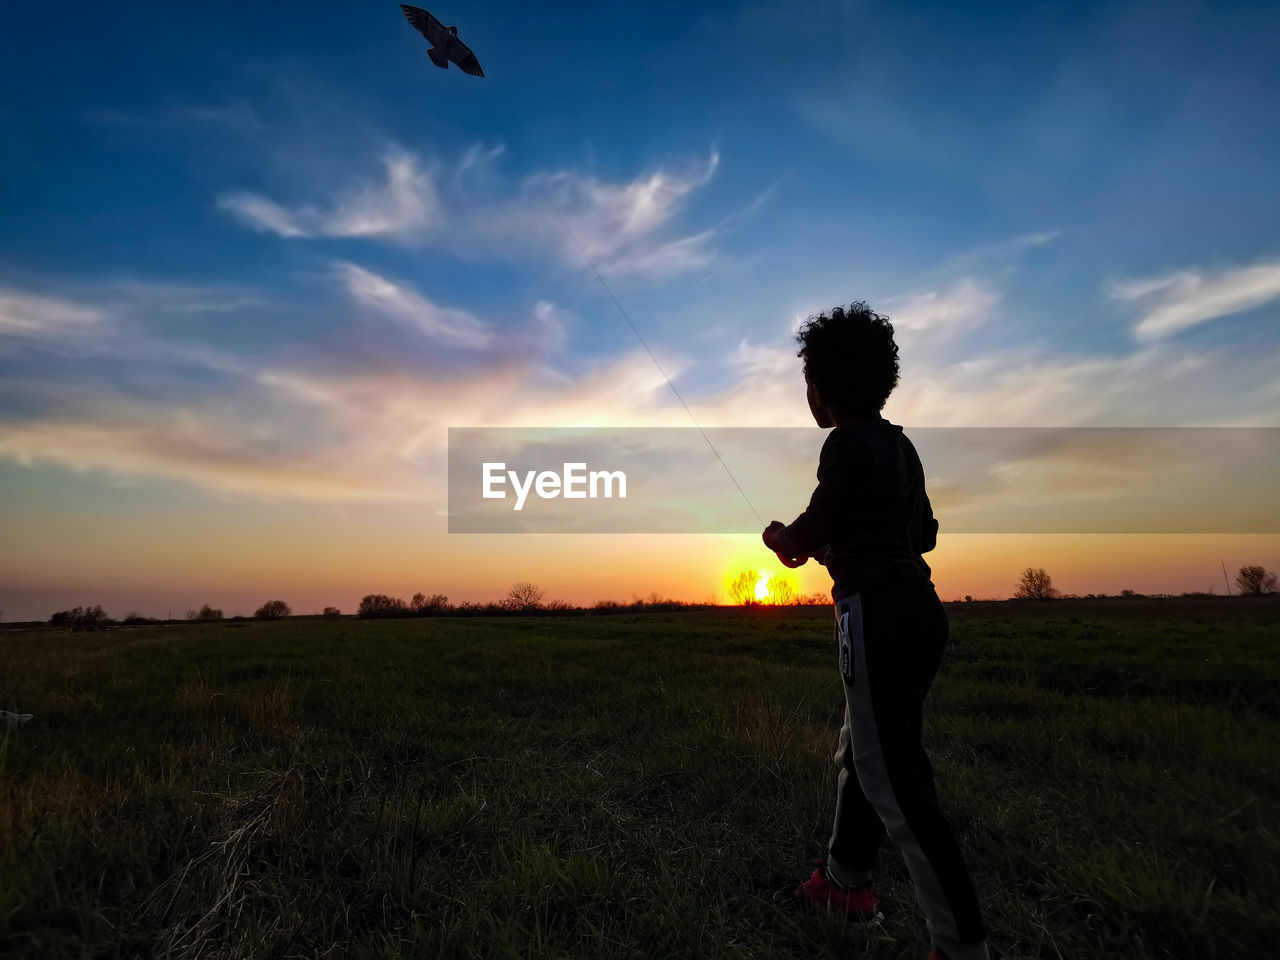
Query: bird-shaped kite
(445, 45)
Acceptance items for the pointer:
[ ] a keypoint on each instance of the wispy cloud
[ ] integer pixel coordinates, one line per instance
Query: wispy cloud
(615, 223)
(190, 446)
(999, 253)
(156, 299)
(1178, 301)
(1157, 385)
(622, 228)
(405, 203)
(413, 311)
(962, 306)
(327, 419)
(337, 417)
(34, 315)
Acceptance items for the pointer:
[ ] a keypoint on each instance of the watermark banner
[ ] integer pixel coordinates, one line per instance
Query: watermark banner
(980, 479)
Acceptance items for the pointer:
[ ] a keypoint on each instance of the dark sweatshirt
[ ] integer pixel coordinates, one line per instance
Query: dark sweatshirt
(870, 510)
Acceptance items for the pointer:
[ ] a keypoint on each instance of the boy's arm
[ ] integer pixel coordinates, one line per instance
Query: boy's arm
(928, 527)
(840, 467)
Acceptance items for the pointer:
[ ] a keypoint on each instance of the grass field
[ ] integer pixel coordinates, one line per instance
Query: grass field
(627, 786)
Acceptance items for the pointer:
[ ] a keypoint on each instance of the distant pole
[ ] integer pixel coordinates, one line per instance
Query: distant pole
(1224, 576)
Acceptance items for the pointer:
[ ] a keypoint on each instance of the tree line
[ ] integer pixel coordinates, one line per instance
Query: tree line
(1036, 584)
(523, 597)
(526, 597)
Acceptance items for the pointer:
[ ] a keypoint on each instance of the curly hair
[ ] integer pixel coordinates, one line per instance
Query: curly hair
(850, 357)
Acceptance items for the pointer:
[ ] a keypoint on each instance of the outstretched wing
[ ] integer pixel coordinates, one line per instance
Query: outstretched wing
(426, 24)
(461, 54)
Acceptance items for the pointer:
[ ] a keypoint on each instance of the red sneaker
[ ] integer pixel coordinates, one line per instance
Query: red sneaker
(820, 891)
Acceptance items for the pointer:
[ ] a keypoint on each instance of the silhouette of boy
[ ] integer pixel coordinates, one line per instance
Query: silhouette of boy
(869, 521)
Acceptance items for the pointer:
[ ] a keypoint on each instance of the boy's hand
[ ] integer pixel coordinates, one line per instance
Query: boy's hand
(770, 538)
(771, 532)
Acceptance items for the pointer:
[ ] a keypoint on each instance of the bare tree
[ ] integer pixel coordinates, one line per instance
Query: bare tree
(273, 610)
(208, 613)
(1256, 580)
(742, 590)
(782, 591)
(524, 596)
(1036, 584)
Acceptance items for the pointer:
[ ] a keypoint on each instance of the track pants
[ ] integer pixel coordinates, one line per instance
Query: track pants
(891, 641)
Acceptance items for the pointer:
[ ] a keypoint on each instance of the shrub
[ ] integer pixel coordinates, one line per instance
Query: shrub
(379, 605)
(81, 618)
(423, 605)
(272, 610)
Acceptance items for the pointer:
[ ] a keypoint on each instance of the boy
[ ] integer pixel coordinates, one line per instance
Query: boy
(869, 521)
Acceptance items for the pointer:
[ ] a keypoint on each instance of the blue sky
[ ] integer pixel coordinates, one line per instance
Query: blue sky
(268, 252)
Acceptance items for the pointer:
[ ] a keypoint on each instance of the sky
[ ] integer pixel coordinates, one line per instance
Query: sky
(256, 259)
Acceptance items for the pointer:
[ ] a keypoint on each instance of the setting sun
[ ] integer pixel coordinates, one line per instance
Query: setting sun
(750, 587)
(762, 585)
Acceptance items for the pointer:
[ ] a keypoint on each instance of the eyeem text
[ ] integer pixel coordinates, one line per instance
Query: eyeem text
(574, 482)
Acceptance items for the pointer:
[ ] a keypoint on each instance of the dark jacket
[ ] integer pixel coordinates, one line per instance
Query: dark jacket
(869, 512)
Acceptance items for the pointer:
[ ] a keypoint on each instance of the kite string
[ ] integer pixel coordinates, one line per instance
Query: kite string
(599, 276)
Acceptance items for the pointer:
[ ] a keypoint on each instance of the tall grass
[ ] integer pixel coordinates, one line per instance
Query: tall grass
(625, 786)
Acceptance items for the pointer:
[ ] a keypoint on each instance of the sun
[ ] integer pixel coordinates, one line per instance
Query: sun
(752, 587)
(762, 585)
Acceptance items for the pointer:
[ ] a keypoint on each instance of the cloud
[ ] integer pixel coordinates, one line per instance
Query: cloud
(329, 417)
(149, 298)
(413, 311)
(766, 389)
(477, 160)
(189, 448)
(34, 315)
(1154, 384)
(337, 426)
(613, 223)
(552, 322)
(685, 255)
(406, 203)
(331, 428)
(619, 227)
(965, 305)
(341, 416)
(1001, 252)
(1178, 301)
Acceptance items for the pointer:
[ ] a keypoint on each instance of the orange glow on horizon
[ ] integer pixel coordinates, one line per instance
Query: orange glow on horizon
(130, 556)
